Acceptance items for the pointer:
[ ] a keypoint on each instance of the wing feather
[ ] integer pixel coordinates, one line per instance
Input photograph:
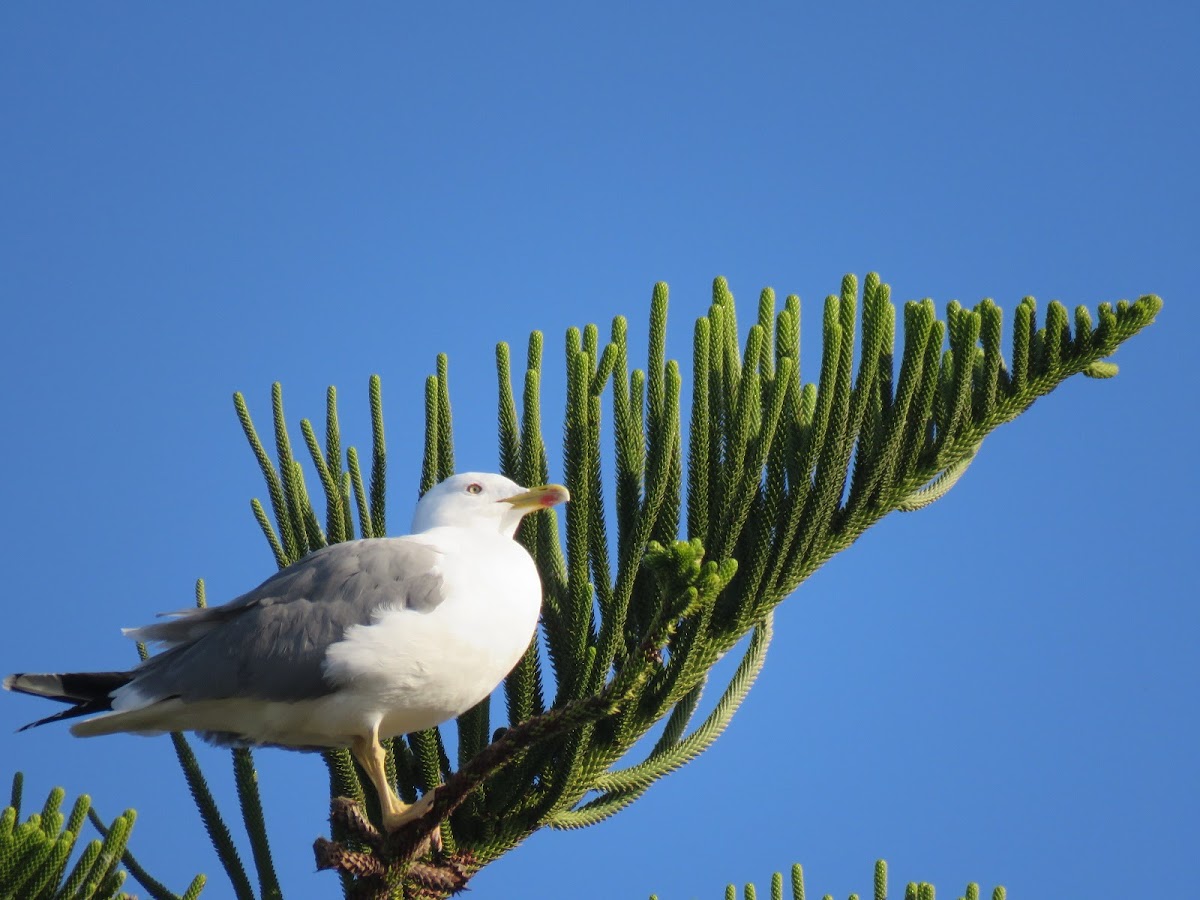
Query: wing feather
(270, 643)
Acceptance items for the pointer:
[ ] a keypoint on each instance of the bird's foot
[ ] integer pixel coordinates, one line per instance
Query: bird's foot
(431, 843)
(396, 819)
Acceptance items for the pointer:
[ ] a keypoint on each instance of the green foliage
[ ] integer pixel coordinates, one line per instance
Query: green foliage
(780, 475)
(35, 854)
(913, 891)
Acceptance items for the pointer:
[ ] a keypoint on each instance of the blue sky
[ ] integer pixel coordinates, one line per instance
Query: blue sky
(199, 200)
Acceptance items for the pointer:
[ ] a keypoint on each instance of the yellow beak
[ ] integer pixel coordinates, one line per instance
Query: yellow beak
(543, 497)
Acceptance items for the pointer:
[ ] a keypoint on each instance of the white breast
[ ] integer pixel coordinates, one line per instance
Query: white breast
(415, 670)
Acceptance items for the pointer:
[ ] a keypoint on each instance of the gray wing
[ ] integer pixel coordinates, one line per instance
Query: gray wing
(270, 643)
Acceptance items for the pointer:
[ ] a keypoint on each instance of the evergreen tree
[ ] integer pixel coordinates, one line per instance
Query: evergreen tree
(772, 477)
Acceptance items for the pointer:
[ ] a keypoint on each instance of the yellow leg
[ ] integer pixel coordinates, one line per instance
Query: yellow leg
(369, 753)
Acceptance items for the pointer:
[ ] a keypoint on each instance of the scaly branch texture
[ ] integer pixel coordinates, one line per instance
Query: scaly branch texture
(34, 854)
(780, 475)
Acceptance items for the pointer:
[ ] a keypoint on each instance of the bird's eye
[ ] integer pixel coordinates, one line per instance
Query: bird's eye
(474, 488)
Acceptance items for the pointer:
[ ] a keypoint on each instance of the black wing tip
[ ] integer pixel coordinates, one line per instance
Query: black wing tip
(82, 709)
(87, 692)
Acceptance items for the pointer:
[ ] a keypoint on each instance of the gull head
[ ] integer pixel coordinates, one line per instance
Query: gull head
(485, 501)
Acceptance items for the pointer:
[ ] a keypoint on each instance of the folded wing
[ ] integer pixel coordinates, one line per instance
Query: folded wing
(270, 643)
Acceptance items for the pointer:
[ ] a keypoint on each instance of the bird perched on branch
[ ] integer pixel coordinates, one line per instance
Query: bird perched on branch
(355, 642)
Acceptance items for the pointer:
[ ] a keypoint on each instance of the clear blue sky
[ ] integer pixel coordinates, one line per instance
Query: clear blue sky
(198, 200)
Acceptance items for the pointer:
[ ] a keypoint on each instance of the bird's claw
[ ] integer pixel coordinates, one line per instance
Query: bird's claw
(431, 843)
(346, 814)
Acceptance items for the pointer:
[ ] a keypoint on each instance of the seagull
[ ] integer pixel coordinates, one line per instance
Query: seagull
(358, 641)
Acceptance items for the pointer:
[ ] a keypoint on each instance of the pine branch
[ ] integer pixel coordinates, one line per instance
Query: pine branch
(781, 474)
(246, 779)
(34, 854)
(912, 891)
(153, 886)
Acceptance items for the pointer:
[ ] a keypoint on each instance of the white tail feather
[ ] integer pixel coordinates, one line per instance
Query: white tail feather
(39, 685)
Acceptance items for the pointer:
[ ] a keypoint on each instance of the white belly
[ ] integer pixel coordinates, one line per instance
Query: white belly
(415, 670)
